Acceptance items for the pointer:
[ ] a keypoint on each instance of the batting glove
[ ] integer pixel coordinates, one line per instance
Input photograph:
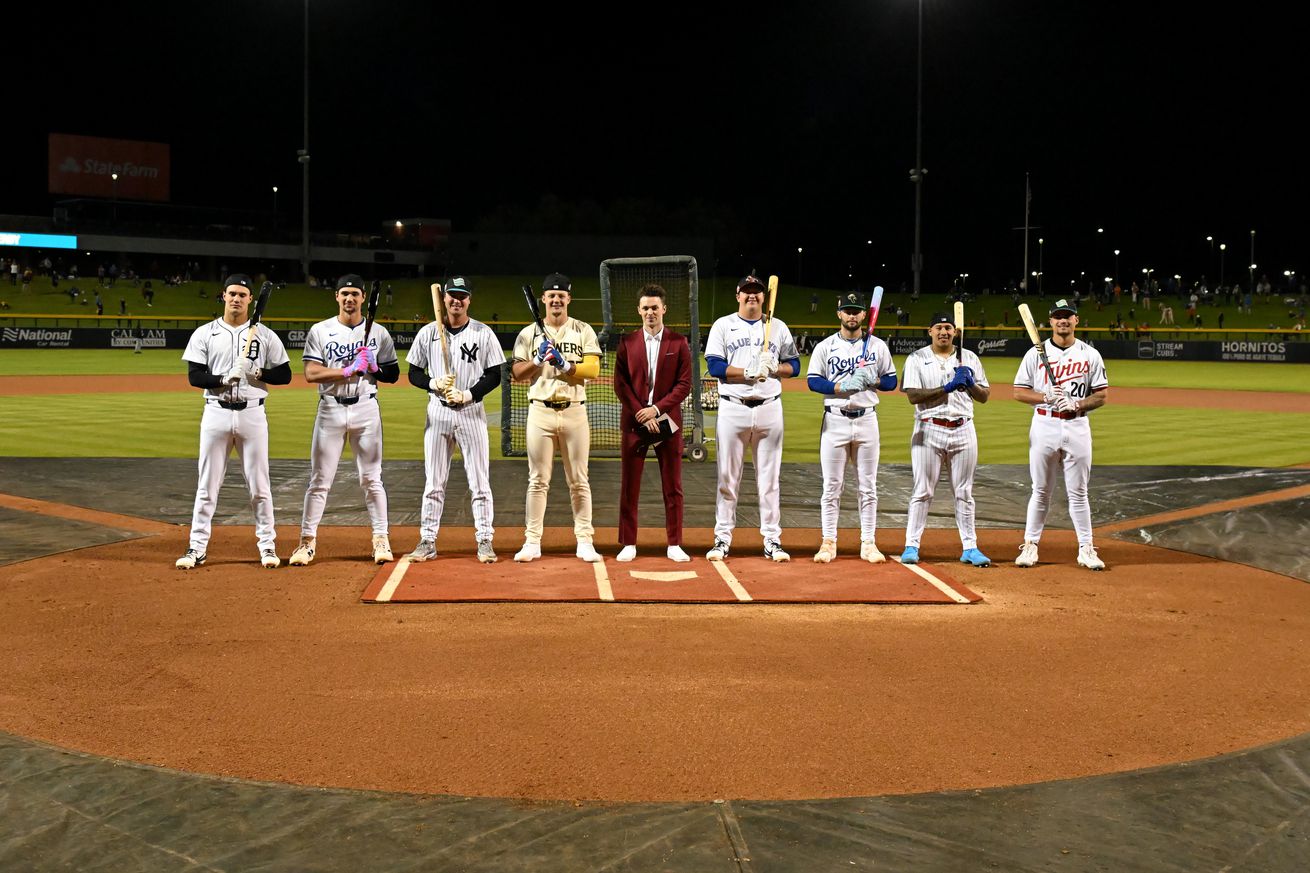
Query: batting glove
(543, 353)
(354, 367)
(556, 358)
(1067, 403)
(235, 376)
(964, 376)
(370, 361)
(768, 363)
(444, 384)
(1053, 395)
(857, 381)
(751, 373)
(457, 396)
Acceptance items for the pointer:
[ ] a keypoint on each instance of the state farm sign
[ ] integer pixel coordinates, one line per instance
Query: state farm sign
(86, 165)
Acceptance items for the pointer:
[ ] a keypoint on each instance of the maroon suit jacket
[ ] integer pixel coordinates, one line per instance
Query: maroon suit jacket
(672, 376)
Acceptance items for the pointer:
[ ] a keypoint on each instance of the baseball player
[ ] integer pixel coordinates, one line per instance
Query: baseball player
(750, 413)
(455, 417)
(943, 382)
(347, 370)
(848, 367)
(1060, 435)
(234, 392)
(558, 365)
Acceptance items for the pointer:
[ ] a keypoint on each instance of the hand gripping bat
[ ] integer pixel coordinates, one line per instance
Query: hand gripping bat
(534, 306)
(768, 319)
(265, 291)
(1026, 315)
(438, 309)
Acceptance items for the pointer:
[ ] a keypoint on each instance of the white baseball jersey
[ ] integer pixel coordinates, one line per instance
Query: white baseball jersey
(740, 342)
(836, 357)
(924, 369)
(574, 339)
(1079, 369)
(334, 344)
(473, 349)
(217, 345)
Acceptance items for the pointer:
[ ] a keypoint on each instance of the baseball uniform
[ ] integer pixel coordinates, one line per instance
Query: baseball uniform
(234, 418)
(943, 432)
(849, 430)
(750, 415)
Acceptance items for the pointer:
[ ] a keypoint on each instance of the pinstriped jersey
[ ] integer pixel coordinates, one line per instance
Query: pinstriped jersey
(334, 344)
(473, 348)
(924, 369)
(218, 344)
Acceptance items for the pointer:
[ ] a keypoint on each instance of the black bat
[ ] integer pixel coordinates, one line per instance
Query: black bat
(534, 307)
(375, 292)
(265, 291)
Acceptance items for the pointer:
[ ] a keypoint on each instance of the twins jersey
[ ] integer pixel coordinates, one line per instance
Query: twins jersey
(574, 340)
(218, 344)
(334, 344)
(924, 369)
(473, 348)
(1079, 370)
(740, 342)
(837, 357)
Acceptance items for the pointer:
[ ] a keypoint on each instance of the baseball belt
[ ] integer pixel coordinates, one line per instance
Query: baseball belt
(1067, 416)
(751, 402)
(240, 404)
(851, 413)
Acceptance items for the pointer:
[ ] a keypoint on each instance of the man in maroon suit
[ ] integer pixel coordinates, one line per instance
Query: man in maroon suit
(652, 376)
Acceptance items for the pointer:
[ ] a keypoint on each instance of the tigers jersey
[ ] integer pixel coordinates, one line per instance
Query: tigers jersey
(218, 344)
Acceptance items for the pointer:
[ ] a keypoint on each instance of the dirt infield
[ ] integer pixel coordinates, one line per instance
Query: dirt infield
(284, 675)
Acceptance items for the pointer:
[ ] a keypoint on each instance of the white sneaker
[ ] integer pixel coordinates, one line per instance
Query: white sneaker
(1088, 558)
(426, 550)
(486, 554)
(1027, 555)
(774, 551)
(304, 552)
(719, 552)
(382, 549)
(190, 560)
(529, 552)
(269, 559)
(869, 552)
(587, 552)
(627, 554)
(826, 552)
(676, 553)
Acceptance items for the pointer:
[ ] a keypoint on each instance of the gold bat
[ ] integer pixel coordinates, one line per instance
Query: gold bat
(1026, 316)
(959, 333)
(768, 319)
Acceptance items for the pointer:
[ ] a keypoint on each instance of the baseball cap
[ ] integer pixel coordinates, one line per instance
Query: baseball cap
(459, 285)
(750, 280)
(852, 301)
(941, 318)
(556, 282)
(1063, 306)
(239, 279)
(351, 280)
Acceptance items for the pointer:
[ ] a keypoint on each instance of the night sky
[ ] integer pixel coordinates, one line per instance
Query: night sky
(772, 129)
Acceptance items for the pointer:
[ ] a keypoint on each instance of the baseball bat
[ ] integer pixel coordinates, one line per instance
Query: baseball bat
(439, 311)
(875, 304)
(768, 319)
(1026, 316)
(265, 291)
(959, 333)
(371, 313)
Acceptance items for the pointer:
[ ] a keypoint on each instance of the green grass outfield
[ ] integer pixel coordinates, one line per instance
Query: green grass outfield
(165, 424)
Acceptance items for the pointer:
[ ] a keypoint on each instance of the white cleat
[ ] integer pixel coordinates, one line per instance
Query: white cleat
(626, 554)
(676, 554)
(190, 560)
(269, 559)
(587, 552)
(1027, 555)
(869, 552)
(826, 552)
(486, 554)
(304, 552)
(1088, 558)
(382, 549)
(719, 552)
(774, 551)
(426, 550)
(529, 552)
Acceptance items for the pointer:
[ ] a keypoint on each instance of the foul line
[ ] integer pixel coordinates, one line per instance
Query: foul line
(78, 513)
(1206, 509)
(731, 580)
(603, 582)
(934, 581)
(393, 581)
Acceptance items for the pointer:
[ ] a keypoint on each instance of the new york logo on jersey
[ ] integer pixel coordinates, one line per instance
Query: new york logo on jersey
(468, 352)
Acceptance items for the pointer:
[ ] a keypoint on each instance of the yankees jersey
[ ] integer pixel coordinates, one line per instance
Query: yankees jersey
(924, 369)
(473, 348)
(837, 357)
(218, 344)
(334, 344)
(740, 342)
(574, 340)
(1079, 370)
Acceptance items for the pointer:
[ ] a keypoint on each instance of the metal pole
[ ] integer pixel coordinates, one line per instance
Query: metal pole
(917, 175)
(1251, 280)
(303, 157)
(1027, 202)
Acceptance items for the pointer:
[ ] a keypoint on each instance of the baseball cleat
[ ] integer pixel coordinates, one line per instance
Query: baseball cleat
(587, 552)
(975, 557)
(719, 552)
(269, 559)
(626, 554)
(382, 549)
(426, 550)
(529, 552)
(869, 552)
(1027, 555)
(910, 555)
(190, 560)
(486, 554)
(774, 552)
(826, 552)
(1088, 558)
(304, 552)
(676, 554)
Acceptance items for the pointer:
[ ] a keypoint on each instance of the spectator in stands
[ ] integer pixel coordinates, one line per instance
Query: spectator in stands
(13, 272)
(1166, 314)
(27, 280)
(389, 297)
(122, 306)
(100, 304)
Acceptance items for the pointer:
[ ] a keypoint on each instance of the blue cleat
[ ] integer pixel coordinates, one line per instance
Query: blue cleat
(975, 557)
(910, 555)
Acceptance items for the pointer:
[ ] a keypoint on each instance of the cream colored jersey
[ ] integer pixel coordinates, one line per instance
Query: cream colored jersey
(574, 339)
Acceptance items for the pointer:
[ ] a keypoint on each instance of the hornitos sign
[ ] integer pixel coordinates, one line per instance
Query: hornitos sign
(1253, 351)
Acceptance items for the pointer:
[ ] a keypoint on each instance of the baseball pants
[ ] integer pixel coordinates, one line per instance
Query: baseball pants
(447, 427)
(360, 423)
(222, 430)
(845, 440)
(1056, 444)
(758, 428)
(567, 431)
(930, 446)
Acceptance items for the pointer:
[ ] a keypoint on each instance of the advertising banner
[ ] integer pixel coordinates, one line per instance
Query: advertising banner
(85, 166)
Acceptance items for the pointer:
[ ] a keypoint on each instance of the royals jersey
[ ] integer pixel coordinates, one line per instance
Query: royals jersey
(1079, 370)
(740, 342)
(218, 344)
(837, 357)
(334, 344)
(924, 369)
(574, 340)
(473, 348)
